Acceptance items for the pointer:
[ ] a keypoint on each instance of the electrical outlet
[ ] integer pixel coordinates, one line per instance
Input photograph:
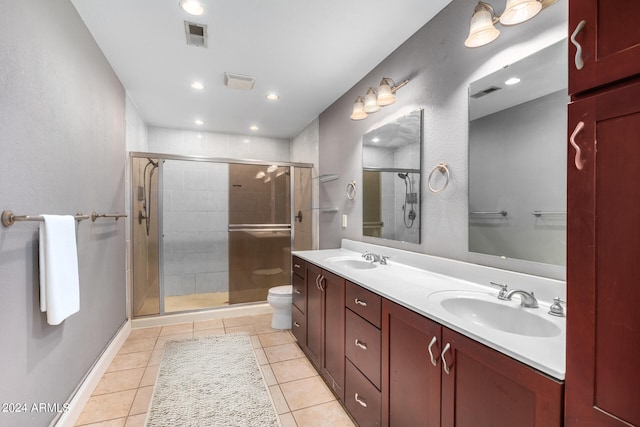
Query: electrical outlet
(344, 221)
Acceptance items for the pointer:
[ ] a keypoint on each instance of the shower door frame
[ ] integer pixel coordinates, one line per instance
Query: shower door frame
(161, 158)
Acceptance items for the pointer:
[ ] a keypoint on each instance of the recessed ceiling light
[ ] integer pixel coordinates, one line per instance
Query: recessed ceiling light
(197, 85)
(254, 128)
(192, 7)
(273, 97)
(198, 122)
(512, 81)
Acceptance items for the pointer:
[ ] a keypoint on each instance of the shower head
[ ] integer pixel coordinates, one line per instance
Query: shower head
(403, 175)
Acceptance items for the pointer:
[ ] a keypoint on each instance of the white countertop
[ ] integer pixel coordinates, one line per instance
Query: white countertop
(410, 279)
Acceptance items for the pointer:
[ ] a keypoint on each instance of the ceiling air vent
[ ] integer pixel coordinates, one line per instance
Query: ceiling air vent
(484, 92)
(238, 81)
(196, 34)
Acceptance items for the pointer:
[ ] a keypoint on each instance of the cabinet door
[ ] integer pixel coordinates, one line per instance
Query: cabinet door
(610, 42)
(603, 261)
(333, 334)
(314, 314)
(484, 388)
(410, 382)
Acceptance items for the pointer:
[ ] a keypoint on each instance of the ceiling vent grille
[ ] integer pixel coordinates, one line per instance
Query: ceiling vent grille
(196, 34)
(238, 81)
(484, 92)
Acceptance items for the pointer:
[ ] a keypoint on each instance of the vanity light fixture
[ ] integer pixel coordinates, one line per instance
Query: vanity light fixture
(375, 99)
(192, 7)
(482, 30)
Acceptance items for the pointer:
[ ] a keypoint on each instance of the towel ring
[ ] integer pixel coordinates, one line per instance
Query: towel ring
(351, 190)
(442, 167)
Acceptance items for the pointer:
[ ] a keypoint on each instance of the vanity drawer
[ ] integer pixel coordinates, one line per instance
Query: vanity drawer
(363, 346)
(362, 399)
(298, 326)
(298, 267)
(364, 303)
(299, 294)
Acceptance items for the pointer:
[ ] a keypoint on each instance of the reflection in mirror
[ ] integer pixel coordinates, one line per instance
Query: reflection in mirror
(517, 159)
(391, 178)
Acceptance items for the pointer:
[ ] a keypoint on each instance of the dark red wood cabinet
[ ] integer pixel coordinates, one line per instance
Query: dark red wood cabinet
(603, 259)
(609, 42)
(325, 325)
(299, 299)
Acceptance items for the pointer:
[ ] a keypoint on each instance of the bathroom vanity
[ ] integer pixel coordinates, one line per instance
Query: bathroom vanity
(412, 343)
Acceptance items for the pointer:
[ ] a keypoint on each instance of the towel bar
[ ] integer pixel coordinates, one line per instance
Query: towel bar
(95, 215)
(8, 218)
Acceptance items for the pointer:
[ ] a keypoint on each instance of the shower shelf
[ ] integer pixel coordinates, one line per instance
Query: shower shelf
(326, 210)
(328, 177)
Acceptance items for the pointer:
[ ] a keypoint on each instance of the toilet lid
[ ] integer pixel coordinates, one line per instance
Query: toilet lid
(281, 290)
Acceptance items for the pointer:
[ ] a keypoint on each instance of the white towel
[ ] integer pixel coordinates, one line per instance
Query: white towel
(59, 281)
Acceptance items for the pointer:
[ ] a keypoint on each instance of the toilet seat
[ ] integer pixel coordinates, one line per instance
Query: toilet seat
(281, 291)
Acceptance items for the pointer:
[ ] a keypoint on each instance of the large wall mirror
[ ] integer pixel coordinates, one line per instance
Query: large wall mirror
(517, 159)
(391, 176)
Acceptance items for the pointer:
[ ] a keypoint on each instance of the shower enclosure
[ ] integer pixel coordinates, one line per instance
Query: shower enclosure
(214, 232)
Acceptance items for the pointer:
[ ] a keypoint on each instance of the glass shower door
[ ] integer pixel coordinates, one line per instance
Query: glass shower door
(259, 230)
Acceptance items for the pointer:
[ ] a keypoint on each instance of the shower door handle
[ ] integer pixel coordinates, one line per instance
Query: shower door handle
(298, 217)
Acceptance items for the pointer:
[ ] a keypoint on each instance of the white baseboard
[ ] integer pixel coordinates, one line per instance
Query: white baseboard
(88, 385)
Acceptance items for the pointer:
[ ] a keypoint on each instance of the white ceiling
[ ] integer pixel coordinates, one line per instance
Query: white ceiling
(309, 52)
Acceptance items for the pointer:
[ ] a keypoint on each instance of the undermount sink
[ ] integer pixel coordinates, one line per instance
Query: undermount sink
(350, 262)
(486, 310)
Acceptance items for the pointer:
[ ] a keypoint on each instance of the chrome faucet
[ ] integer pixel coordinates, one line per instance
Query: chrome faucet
(527, 298)
(370, 256)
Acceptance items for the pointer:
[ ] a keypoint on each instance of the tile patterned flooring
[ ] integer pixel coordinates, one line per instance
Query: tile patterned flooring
(300, 396)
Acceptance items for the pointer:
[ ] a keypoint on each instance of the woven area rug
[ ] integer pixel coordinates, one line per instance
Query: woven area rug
(211, 381)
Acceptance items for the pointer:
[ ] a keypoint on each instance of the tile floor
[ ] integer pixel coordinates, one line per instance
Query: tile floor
(301, 398)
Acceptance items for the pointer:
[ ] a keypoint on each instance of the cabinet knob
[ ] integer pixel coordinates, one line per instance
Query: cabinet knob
(361, 344)
(360, 302)
(360, 401)
(578, 59)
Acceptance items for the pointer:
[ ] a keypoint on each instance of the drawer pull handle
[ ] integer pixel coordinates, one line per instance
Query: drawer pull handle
(296, 265)
(298, 291)
(360, 401)
(578, 59)
(572, 139)
(434, 362)
(296, 324)
(444, 361)
(361, 344)
(360, 302)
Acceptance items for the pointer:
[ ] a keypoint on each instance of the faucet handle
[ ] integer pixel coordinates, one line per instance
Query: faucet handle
(556, 308)
(383, 259)
(503, 290)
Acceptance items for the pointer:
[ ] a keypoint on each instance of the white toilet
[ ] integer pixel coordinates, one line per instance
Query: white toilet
(280, 299)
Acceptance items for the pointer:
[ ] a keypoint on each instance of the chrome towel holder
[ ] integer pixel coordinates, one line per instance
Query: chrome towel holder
(442, 167)
(8, 218)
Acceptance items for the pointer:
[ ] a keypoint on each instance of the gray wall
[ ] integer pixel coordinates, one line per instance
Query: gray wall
(440, 68)
(62, 135)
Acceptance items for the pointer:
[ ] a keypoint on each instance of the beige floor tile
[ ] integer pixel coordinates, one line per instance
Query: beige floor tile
(282, 352)
(255, 342)
(141, 333)
(150, 375)
(180, 328)
(119, 381)
(120, 422)
(279, 401)
(250, 329)
(129, 361)
(156, 357)
(141, 402)
(275, 338)
(294, 369)
(261, 357)
(107, 407)
(208, 332)
(163, 339)
(237, 321)
(326, 415)
(136, 420)
(306, 392)
(136, 345)
(267, 373)
(208, 324)
(287, 420)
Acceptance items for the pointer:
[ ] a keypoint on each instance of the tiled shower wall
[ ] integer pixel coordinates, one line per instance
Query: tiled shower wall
(195, 218)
